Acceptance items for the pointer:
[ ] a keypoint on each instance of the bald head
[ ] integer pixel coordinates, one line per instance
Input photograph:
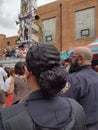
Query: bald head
(85, 52)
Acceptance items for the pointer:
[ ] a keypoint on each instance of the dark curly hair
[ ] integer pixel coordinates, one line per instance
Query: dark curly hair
(43, 61)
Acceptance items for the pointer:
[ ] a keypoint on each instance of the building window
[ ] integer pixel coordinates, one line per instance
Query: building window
(85, 23)
(49, 30)
(8, 43)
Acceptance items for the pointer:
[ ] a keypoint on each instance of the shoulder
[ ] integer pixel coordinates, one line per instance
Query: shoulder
(16, 117)
(3, 71)
(75, 105)
(17, 80)
(11, 110)
(77, 76)
(77, 113)
(74, 78)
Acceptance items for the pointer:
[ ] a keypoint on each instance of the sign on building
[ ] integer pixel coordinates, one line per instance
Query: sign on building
(85, 23)
(49, 30)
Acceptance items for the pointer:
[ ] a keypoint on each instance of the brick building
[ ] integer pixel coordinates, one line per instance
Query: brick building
(65, 23)
(7, 41)
(69, 23)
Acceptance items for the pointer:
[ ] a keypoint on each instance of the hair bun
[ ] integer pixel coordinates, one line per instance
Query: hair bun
(52, 81)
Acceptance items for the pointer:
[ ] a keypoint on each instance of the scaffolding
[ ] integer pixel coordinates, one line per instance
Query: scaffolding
(26, 25)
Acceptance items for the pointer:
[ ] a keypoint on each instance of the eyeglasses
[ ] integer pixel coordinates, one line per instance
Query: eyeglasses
(74, 55)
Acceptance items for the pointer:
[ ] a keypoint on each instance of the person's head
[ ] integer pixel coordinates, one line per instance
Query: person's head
(43, 67)
(82, 56)
(12, 72)
(19, 68)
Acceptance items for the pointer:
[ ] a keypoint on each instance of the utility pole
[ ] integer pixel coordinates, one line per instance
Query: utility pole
(26, 25)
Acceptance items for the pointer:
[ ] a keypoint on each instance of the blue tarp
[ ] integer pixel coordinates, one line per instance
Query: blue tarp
(66, 55)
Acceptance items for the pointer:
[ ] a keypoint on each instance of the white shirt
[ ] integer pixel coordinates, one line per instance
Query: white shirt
(7, 83)
(2, 75)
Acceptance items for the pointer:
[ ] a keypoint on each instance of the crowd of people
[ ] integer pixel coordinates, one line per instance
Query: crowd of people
(13, 84)
(45, 93)
(15, 52)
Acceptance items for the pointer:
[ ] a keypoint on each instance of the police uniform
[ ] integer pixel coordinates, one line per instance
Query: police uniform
(84, 88)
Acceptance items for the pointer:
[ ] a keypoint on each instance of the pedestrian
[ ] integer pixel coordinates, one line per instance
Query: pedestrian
(3, 77)
(47, 110)
(83, 85)
(9, 87)
(20, 82)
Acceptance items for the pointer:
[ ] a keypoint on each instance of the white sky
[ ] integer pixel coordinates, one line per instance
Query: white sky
(9, 10)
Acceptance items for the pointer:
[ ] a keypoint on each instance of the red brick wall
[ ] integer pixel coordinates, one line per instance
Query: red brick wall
(3, 42)
(64, 10)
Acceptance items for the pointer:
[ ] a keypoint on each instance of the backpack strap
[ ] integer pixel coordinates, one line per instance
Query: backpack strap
(16, 118)
(78, 113)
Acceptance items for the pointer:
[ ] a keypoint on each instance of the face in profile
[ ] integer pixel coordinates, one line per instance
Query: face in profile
(74, 66)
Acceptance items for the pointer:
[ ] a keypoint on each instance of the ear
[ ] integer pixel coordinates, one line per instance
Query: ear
(27, 73)
(80, 60)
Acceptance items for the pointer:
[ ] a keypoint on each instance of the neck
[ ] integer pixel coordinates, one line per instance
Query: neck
(33, 85)
(35, 90)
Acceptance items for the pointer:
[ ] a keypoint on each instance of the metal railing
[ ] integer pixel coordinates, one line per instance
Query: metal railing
(10, 62)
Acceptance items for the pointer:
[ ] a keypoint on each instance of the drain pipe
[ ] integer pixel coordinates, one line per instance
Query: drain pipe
(61, 27)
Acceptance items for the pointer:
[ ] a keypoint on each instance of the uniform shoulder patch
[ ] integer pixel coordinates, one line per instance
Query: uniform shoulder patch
(66, 88)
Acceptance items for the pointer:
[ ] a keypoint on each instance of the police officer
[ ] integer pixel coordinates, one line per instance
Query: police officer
(83, 85)
(47, 110)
